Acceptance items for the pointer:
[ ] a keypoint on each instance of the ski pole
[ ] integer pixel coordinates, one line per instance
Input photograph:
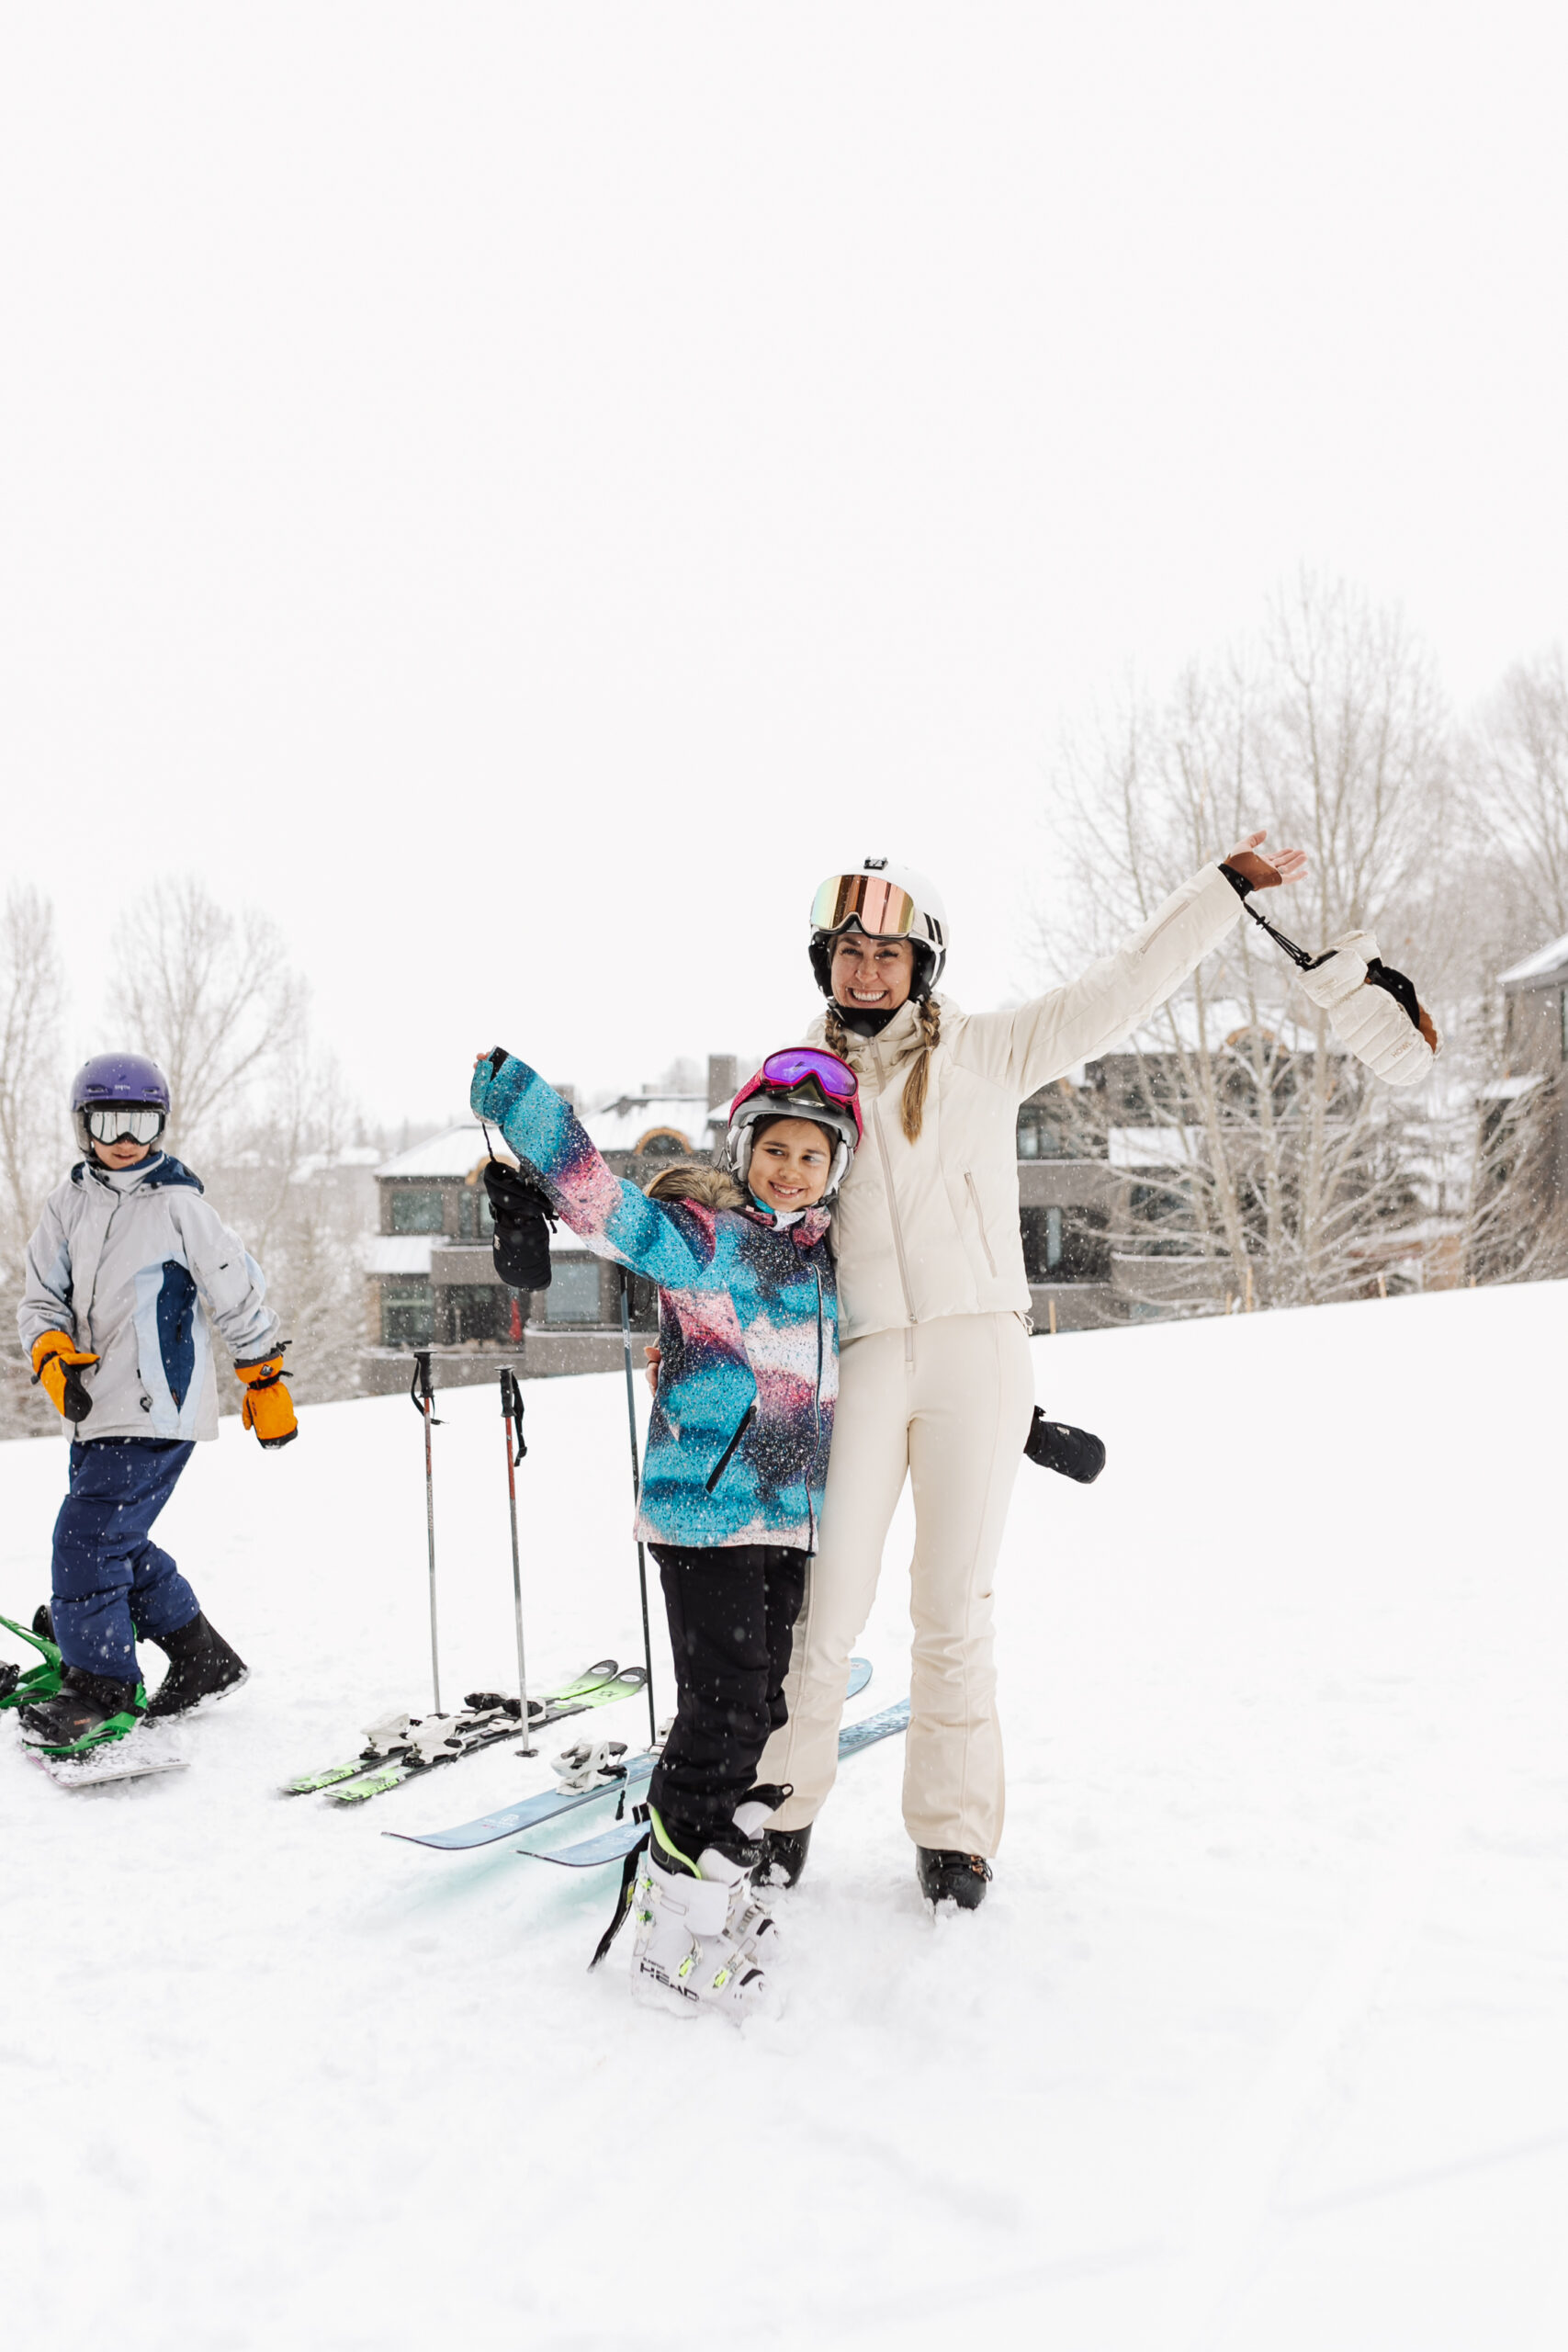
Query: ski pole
(424, 1399)
(511, 1410)
(637, 1498)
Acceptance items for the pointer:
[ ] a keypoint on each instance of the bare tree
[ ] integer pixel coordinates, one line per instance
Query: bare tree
(1286, 1164)
(210, 994)
(32, 1124)
(1518, 780)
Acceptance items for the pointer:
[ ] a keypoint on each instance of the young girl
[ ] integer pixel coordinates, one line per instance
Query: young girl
(733, 1475)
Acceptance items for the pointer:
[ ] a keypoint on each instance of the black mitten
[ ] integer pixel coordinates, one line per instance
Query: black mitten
(523, 1223)
(1077, 1453)
(1383, 975)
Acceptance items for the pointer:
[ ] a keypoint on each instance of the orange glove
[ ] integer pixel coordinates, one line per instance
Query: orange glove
(57, 1363)
(269, 1407)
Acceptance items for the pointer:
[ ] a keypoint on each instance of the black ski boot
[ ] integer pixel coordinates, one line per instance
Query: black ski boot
(201, 1665)
(83, 1705)
(44, 1622)
(783, 1856)
(952, 1878)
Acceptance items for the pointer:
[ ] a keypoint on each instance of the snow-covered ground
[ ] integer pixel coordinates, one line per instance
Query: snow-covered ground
(1261, 2040)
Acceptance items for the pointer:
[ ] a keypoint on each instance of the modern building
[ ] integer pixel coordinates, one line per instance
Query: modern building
(430, 1277)
(1535, 1051)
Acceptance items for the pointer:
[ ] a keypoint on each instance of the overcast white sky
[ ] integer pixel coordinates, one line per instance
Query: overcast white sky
(520, 492)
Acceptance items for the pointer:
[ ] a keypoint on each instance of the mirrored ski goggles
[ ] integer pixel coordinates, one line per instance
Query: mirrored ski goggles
(799, 1065)
(125, 1126)
(883, 909)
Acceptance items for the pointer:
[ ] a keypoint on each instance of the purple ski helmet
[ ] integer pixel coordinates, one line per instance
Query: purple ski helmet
(119, 1082)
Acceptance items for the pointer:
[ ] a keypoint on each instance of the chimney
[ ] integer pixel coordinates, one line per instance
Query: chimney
(724, 1076)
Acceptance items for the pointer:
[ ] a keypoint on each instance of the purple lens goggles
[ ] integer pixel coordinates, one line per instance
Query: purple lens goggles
(798, 1064)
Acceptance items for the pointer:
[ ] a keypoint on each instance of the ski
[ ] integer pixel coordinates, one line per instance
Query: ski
(397, 1734)
(481, 1730)
(529, 1813)
(612, 1845)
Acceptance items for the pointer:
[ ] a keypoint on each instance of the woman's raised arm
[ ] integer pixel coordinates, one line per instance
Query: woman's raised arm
(1034, 1043)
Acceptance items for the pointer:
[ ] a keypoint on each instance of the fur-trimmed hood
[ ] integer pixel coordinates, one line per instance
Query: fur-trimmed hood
(692, 1180)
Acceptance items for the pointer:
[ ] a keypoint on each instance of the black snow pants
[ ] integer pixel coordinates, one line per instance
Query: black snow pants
(732, 1614)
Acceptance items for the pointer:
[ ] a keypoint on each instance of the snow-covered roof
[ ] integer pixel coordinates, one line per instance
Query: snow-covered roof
(620, 1127)
(1153, 1146)
(324, 1164)
(397, 1253)
(1549, 963)
(457, 1152)
(622, 1124)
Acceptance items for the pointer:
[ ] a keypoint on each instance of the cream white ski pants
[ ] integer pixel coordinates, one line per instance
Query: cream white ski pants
(947, 1403)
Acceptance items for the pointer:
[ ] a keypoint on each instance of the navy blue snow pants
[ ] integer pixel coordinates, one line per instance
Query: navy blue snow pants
(111, 1581)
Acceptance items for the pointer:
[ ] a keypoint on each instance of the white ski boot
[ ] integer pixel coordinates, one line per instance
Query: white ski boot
(684, 1957)
(751, 1919)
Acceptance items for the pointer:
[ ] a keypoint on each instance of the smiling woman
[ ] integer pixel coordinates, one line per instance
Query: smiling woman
(935, 1375)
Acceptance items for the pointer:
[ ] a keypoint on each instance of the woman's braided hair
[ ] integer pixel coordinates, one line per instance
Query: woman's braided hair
(912, 1110)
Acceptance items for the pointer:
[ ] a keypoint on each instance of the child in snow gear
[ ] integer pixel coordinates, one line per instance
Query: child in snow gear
(936, 1384)
(126, 1272)
(732, 1478)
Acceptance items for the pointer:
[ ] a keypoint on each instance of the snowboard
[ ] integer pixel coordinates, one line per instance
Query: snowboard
(613, 1844)
(125, 1756)
(529, 1813)
(136, 1757)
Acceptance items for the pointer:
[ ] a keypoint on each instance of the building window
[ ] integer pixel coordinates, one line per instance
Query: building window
(478, 1311)
(662, 1143)
(416, 1208)
(1065, 1245)
(573, 1294)
(475, 1222)
(407, 1315)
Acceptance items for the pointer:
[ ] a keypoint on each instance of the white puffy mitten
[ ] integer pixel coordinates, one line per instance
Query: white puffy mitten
(1371, 1017)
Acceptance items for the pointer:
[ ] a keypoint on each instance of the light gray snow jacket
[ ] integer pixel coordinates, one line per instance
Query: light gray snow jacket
(134, 1276)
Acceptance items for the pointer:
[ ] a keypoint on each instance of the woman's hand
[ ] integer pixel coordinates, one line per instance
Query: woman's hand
(1266, 872)
(655, 1355)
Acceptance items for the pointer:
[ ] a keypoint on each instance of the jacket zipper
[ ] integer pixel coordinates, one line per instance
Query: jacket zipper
(974, 1199)
(817, 1404)
(722, 1464)
(892, 1195)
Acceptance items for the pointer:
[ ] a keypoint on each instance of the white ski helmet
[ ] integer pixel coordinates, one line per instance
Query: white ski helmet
(885, 902)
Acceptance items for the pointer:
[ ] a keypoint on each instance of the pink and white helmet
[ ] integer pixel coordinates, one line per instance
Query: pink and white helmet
(799, 1083)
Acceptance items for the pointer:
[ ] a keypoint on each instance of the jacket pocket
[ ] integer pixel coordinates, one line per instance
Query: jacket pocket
(979, 1219)
(722, 1464)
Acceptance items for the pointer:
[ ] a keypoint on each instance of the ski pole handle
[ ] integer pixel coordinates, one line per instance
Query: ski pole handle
(421, 1391)
(511, 1410)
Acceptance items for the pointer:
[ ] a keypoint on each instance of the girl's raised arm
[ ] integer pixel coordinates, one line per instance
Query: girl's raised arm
(608, 1210)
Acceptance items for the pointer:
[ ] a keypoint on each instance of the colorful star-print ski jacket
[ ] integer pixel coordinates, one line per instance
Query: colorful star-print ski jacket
(747, 1327)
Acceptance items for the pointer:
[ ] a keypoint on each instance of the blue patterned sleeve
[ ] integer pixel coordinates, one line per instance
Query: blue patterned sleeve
(603, 1208)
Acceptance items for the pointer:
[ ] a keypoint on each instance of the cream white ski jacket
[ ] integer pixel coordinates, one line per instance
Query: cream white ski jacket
(931, 1228)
